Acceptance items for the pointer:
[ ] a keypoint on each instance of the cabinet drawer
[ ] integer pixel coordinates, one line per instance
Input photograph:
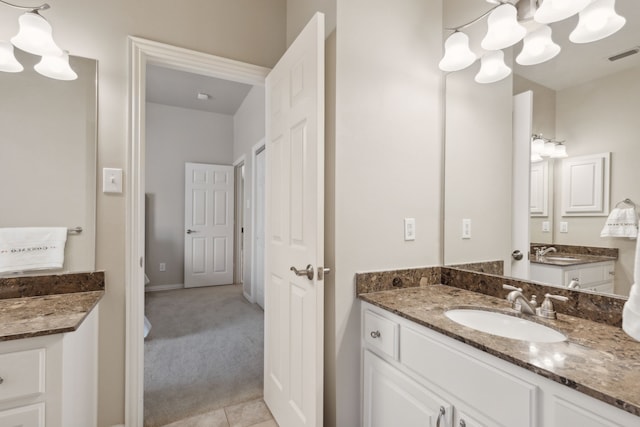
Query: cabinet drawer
(22, 374)
(380, 334)
(505, 400)
(589, 275)
(25, 416)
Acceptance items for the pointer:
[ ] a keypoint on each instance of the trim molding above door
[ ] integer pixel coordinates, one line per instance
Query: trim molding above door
(141, 53)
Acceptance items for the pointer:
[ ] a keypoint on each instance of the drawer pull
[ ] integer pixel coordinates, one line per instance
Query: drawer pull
(1, 380)
(462, 423)
(375, 334)
(440, 416)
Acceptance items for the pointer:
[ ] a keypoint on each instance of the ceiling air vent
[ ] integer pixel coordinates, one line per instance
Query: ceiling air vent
(624, 54)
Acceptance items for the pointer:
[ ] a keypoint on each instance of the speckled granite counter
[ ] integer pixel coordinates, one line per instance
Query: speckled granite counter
(599, 360)
(569, 259)
(46, 305)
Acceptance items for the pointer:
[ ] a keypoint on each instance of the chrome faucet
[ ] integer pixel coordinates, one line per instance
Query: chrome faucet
(519, 302)
(544, 251)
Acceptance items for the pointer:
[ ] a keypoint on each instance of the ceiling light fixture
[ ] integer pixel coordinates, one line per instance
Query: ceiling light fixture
(35, 37)
(597, 20)
(203, 96)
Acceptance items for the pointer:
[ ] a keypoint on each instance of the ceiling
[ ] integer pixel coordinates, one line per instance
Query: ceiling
(180, 89)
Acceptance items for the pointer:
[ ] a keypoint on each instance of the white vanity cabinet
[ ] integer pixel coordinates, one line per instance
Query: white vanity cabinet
(51, 381)
(597, 276)
(406, 385)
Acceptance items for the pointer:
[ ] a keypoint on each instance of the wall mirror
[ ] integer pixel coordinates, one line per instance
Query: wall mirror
(582, 97)
(48, 155)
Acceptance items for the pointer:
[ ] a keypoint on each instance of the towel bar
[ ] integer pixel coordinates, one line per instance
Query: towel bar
(75, 230)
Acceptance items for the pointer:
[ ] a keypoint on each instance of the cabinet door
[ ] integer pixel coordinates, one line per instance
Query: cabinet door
(393, 399)
(24, 416)
(567, 413)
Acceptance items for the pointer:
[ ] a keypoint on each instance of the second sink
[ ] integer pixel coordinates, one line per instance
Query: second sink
(504, 325)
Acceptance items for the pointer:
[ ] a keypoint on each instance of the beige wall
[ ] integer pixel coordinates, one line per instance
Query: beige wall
(478, 154)
(248, 131)
(386, 163)
(300, 12)
(244, 30)
(597, 117)
(175, 136)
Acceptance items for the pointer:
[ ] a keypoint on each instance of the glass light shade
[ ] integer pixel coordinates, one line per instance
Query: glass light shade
(457, 55)
(34, 35)
(536, 158)
(504, 29)
(559, 151)
(549, 148)
(537, 145)
(8, 61)
(492, 68)
(538, 47)
(56, 67)
(557, 10)
(597, 21)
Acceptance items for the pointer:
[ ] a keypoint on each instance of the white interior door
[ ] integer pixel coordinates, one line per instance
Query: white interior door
(259, 229)
(208, 225)
(294, 304)
(522, 130)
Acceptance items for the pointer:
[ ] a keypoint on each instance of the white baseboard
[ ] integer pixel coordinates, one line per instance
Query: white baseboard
(156, 288)
(248, 297)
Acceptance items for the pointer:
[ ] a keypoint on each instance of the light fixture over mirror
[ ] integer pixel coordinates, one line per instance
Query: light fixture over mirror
(508, 25)
(35, 36)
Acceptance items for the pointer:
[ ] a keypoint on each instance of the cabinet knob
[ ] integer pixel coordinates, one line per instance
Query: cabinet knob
(1, 380)
(441, 415)
(375, 334)
(462, 423)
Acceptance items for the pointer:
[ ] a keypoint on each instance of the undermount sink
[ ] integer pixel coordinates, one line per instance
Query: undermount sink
(561, 258)
(504, 325)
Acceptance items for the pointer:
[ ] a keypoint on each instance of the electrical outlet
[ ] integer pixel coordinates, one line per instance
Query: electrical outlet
(466, 228)
(564, 227)
(163, 266)
(409, 229)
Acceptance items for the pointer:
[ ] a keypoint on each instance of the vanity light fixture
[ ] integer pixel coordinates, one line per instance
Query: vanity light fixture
(597, 20)
(35, 37)
(542, 147)
(492, 68)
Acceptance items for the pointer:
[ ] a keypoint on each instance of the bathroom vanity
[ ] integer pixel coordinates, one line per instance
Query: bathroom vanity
(593, 273)
(418, 365)
(49, 350)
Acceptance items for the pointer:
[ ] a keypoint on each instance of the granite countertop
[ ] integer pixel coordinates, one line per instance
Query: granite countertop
(597, 359)
(569, 259)
(47, 305)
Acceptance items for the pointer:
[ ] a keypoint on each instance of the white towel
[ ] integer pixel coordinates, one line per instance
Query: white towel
(621, 223)
(631, 310)
(31, 248)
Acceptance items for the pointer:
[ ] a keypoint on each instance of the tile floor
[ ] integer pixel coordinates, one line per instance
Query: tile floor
(248, 414)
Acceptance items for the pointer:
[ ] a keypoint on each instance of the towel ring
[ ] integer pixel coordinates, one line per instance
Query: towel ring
(626, 202)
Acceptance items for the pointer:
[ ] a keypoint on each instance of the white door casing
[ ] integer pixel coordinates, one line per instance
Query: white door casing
(259, 227)
(208, 225)
(521, 208)
(294, 230)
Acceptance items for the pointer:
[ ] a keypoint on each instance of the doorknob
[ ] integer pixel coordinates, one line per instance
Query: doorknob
(191, 231)
(308, 272)
(517, 255)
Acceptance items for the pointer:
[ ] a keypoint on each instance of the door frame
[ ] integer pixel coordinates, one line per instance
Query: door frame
(141, 53)
(257, 148)
(238, 220)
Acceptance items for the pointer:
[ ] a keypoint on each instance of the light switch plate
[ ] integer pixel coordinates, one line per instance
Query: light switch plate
(564, 227)
(111, 180)
(466, 228)
(409, 229)
(546, 227)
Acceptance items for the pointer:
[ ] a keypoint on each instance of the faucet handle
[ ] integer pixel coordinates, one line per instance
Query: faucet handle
(510, 288)
(546, 309)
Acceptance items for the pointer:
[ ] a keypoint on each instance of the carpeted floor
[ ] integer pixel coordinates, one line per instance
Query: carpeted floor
(204, 352)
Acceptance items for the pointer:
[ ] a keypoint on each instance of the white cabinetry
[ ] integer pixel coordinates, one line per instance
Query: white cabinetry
(428, 370)
(597, 276)
(393, 399)
(51, 381)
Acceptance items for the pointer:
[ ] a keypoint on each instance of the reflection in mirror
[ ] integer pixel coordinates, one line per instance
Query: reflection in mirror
(48, 160)
(582, 97)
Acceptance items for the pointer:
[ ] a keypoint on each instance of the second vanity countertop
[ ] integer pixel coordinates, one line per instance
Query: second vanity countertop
(596, 359)
(568, 259)
(45, 315)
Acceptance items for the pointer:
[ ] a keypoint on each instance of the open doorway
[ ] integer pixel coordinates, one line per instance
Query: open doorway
(204, 351)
